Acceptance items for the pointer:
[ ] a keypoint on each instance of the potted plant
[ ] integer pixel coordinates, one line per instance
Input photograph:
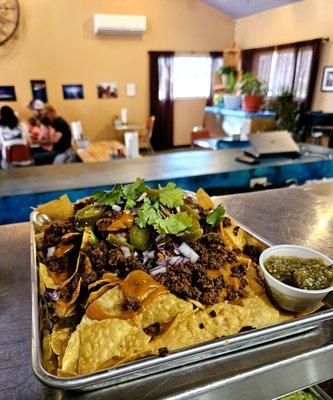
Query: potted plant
(253, 92)
(232, 101)
(286, 111)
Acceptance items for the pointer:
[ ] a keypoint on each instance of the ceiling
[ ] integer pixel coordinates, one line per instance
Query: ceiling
(243, 8)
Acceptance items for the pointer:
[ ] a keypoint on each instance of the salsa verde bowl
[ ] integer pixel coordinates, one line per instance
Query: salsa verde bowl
(289, 297)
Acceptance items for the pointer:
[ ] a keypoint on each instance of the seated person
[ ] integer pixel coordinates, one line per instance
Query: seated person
(11, 132)
(47, 140)
(34, 131)
(37, 108)
(61, 126)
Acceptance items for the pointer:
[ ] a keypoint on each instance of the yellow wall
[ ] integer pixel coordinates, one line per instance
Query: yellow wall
(308, 19)
(55, 42)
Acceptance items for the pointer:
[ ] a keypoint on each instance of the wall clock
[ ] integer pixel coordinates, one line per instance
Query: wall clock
(9, 19)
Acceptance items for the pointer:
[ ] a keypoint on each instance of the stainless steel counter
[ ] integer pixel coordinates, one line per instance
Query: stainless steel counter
(295, 215)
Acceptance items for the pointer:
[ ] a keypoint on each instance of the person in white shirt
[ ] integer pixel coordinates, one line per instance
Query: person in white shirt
(11, 132)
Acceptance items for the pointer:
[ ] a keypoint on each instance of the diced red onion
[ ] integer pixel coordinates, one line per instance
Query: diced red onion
(148, 255)
(157, 270)
(187, 252)
(52, 294)
(50, 251)
(176, 260)
(116, 208)
(134, 211)
(125, 251)
(161, 263)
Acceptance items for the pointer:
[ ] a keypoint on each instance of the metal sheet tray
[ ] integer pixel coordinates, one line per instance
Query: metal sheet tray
(154, 365)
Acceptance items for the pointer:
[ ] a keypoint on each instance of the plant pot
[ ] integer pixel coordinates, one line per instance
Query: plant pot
(232, 102)
(252, 103)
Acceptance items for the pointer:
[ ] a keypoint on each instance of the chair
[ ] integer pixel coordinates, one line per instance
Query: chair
(199, 132)
(145, 137)
(19, 155)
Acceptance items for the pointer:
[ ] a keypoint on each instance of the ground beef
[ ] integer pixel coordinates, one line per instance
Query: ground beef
(163, 351)
(213, 251)
(191, 281)
(152, 330)
(253, 252)
(132, 304)
(235, 230)
(213, 313)
(104, 223)
(54, 232)
(239, 270)
(98, 256)
(83, 203)
(201, 326)
(88, 276)
(58, 265)
(226, 222)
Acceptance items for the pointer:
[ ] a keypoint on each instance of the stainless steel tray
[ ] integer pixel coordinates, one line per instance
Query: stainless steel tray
(154, 365)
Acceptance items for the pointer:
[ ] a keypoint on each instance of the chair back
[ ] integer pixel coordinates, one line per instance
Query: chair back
(18, 153)
(150, 126)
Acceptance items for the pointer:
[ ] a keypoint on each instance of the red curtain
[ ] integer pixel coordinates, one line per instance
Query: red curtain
(161, 101)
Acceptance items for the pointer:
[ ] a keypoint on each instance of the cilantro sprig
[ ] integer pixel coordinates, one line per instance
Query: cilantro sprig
(216, 216)
(149, 206)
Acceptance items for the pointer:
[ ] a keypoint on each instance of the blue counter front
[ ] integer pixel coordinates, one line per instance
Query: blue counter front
(23, 188)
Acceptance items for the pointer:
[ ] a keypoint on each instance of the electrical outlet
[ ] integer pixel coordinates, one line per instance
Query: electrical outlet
(258, 181)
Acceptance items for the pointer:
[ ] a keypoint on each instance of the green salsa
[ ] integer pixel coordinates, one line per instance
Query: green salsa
(302, 273)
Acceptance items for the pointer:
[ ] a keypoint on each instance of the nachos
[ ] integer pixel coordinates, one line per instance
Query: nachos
(136, 271)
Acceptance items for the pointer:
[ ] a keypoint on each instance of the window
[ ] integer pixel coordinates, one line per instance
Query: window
(192, 77)
(286, 67)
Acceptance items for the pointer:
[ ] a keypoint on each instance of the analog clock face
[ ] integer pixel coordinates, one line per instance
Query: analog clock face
(9, 18)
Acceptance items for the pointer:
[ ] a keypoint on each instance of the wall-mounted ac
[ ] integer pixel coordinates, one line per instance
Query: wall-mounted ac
(115, 24)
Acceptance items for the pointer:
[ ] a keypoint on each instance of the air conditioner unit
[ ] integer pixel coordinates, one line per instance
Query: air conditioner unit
(115, 24)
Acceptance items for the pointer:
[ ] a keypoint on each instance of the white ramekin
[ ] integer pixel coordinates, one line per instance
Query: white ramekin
(288, 297)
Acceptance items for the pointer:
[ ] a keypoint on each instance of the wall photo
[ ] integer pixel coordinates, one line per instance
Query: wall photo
(107, 90)
(7, 93)
(38, 88)
(327, 81)
(73, 92)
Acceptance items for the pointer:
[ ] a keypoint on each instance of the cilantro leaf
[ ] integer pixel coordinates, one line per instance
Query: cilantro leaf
(110, 197)
(148, 214)
(133, 191)
(174, 224)
(171, 196)
(215, 217)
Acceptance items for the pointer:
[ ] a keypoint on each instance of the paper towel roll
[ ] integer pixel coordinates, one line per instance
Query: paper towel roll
(131, 144)
(124, 116)
(77, 131)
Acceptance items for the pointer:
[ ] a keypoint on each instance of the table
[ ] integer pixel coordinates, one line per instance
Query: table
(300, 216)
(214, 170)
(129, 127)
(220, 121)
(99, 151)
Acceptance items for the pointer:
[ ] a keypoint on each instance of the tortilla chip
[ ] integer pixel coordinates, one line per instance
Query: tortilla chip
(162, 309)
(261, 312)
(49, 358)
(60, 208)
(234, 234)
(59, 341)
(45, 280)
(200, 326)
(61, 307)
(204, 200)
(109, 305)
(104, 340)
(71, 356)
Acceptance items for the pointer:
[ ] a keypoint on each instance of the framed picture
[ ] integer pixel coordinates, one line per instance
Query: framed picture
(7, 93)
(327, 82)
(73, 92)
(107, 90)
(38, 88)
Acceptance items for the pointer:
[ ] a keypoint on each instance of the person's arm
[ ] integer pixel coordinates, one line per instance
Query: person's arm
(55, 137)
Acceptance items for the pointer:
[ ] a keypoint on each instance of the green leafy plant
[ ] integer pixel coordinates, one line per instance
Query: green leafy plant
(231, 81)
(286, 110)
(250, 85)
